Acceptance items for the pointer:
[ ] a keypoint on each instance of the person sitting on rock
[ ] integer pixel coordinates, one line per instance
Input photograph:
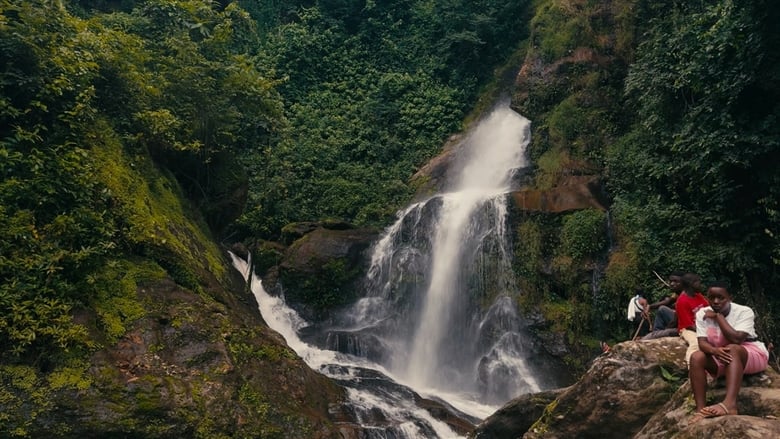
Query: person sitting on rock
(665, 322)
(688, 303)
(639, 311)
(728, 347)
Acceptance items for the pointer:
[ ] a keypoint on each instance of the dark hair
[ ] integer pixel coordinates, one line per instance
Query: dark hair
(720, 284)
(690, 280)
(676, 274)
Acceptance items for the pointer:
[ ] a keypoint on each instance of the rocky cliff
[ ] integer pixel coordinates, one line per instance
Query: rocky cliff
(173, 343)
(193, 365)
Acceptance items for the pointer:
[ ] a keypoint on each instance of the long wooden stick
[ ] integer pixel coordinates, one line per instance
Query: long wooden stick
(641, 321)
(637, 329)
(661, 279)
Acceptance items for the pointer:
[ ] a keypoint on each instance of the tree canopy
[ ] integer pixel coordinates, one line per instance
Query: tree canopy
(124, 123)
(86, 100)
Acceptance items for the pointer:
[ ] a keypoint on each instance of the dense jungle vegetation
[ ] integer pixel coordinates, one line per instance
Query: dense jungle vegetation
(675, 105)
(113, 113)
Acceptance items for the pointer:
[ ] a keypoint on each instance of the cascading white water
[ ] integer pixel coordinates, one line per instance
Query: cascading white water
(494, 151)
(438, 314)
(401, 417)
(437, 311)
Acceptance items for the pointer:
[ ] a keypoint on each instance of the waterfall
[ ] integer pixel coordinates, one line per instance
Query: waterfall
(494, 153)
(400, 417)
(440, 282)
(439, 313)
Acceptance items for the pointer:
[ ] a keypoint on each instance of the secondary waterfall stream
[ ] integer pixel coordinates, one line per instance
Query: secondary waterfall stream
(438, 313)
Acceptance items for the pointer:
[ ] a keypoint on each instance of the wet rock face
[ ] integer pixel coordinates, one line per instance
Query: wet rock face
(321, 269)
(573, 193)
(640, 390)
(518, 415)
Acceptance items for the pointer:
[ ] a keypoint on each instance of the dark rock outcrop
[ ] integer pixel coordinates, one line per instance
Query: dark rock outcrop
(518, 415)
(640, 389)
(573, 193)
(321, 269)
(321, 245)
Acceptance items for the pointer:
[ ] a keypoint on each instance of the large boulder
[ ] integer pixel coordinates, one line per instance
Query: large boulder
(322, 269)
(640, 389)
(191, 366)
(516, 416)
(618, 394)
(759, 408)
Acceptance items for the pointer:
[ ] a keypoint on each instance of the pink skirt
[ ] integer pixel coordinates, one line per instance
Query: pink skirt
(757, 360)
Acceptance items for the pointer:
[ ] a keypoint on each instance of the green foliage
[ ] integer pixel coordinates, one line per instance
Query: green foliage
(530, 256)
(621, 279)
(114, 295)
(574, 94)
(93, 109)
(561, 315)
(327, 287)
(266, 255)
(571, 318)
(25, 396)
(259, 409)
(583, 234)
(530, 246)
(557, 31)
(372, 91)
(550, 166)
(565, 121)
(692, 180)
(542, 424)
(244, 348)
(668, 376)
(687, 157)
(55, 219)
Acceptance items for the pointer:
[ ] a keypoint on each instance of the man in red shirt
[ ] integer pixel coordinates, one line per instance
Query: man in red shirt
(689, 302)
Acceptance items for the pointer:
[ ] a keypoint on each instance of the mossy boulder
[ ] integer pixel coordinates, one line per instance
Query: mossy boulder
(192, 366)
(322, 269)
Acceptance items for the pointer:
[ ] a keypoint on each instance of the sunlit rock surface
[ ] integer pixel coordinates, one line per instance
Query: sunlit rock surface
(640, 390)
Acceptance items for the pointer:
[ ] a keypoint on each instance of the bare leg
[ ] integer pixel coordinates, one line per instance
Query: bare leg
(734, 372)
(699, 364)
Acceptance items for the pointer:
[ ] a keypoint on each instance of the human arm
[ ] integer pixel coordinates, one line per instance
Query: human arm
(645, 308)
(704, 320)
(737, 327)
(666, 301)
(721, 353)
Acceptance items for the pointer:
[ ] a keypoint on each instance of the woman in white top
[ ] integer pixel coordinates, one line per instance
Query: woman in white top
(728, 347)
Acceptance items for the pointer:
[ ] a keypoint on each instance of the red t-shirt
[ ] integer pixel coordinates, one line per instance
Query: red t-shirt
(686, 309)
